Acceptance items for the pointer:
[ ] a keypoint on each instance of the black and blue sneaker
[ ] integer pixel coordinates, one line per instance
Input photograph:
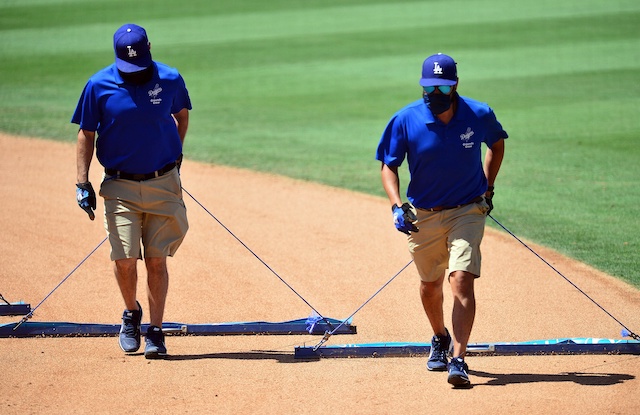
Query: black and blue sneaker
(458, 372)
(155, 348)
(130, 330)
(440, 347)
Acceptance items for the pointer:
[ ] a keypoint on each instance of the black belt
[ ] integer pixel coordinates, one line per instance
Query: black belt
(439, 208)
(141, 177)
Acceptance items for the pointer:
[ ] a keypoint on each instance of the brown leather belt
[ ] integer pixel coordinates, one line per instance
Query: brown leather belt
(141, 177)
(440, 208)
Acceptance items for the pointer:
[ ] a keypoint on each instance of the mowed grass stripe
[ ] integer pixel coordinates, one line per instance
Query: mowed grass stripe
(304, 89)
(321, 70)
(283, 23)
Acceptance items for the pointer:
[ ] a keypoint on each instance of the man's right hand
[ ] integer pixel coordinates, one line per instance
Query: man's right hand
(86, 197)
(404, 218)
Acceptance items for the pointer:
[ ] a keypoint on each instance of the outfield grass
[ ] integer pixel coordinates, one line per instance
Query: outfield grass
(304, 89)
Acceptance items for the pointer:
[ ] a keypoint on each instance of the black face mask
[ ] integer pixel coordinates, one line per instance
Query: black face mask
(437, 103)
(137, 78)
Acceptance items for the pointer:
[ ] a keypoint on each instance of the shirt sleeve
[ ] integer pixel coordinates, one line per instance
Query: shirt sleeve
(495, 132)
(182, 99)
(393, 144)
(87, 113)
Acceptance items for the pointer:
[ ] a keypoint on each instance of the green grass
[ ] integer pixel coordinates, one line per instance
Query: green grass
(304, 89)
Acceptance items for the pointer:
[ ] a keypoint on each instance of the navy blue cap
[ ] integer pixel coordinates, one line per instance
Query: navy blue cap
(132, 48)
(439, 69)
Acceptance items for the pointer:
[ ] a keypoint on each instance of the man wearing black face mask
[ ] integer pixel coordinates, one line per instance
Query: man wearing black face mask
(450, 193)
(139, 109)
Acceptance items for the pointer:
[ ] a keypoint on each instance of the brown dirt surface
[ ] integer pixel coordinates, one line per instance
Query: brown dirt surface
(334, 247)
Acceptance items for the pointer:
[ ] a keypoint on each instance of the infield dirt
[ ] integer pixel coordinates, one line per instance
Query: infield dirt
(336, 248)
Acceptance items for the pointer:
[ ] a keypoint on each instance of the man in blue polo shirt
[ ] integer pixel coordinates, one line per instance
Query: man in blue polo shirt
(139, 109)
(450, 193)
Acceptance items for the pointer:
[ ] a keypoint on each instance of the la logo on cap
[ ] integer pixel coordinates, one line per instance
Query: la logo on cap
(438, 69)
(131, 52)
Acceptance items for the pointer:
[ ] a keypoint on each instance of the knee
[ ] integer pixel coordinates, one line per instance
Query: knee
(156, 265)
(428, 289)
(125, 266)
(462, 282)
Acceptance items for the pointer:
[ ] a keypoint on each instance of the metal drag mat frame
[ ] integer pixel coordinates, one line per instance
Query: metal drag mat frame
(536, 347)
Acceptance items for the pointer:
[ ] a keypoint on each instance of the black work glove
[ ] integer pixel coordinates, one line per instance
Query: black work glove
(404, 218)
(86, 197)
(489, 198)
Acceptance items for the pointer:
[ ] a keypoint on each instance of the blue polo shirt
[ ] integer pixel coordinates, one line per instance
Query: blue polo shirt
(136, 132)
(445, 161)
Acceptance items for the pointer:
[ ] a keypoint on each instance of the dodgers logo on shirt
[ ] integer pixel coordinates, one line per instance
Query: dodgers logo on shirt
(153, 94)
(466, 136)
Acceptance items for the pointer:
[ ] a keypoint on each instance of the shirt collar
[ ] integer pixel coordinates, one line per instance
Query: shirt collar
(118, 79)
(116, 75)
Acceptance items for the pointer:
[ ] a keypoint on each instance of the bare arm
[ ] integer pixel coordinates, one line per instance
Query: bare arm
(182, 122)
(493, 161)
(391, 183)
(85, 148)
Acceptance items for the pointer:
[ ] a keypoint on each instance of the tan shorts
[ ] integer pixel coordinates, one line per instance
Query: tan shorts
(448, 239)
(150, 213)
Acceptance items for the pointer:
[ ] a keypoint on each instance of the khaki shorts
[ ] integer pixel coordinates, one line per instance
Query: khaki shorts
(150, 213)
(448, 239)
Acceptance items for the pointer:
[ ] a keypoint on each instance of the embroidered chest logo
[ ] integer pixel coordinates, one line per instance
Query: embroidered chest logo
(466, 137)
(153, 94)
(437, 69)
(132, 52)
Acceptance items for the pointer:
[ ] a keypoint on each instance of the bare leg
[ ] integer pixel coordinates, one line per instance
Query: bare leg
(464, 309)
(432, 300)
(127, 277)
(158, 286)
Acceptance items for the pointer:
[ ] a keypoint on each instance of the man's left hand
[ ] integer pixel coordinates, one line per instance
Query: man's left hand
(488, 196)
(404, 218)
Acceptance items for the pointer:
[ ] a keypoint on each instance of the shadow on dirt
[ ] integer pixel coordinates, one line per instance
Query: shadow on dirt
(587, 379)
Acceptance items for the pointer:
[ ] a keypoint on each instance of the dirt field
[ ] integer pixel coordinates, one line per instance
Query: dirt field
(336, 248)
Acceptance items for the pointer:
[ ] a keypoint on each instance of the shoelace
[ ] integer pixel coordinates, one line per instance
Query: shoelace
(440, 354)
(130, 329)
(459, 365)
(155, 337)
(438, 351)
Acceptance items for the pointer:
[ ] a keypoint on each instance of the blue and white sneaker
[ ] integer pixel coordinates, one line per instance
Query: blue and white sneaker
(440, 347)
(458, 372)
(129, 339)
(155, 348)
